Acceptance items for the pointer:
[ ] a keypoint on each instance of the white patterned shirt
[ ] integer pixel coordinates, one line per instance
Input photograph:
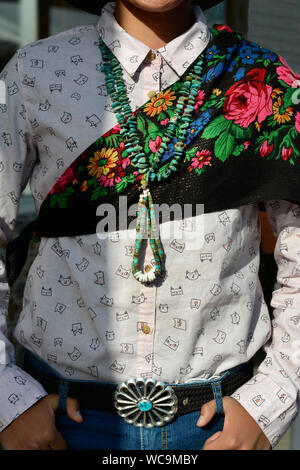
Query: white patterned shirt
(83, 312)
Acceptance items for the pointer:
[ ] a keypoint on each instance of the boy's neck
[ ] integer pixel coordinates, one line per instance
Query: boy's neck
(154, 29)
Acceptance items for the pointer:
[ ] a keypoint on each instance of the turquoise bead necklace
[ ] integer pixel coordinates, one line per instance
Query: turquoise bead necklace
(179, 122)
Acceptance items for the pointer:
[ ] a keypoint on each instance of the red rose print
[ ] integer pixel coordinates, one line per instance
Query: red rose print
(249, 99)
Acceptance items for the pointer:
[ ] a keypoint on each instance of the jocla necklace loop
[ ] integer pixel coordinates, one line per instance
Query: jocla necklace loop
(180, 120)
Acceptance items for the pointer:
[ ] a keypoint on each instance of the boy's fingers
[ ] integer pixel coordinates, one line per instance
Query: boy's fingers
(208, 411)
(73, 408)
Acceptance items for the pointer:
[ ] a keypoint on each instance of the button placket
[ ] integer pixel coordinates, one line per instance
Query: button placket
(146, 309)
(146, 318)
(152, 81)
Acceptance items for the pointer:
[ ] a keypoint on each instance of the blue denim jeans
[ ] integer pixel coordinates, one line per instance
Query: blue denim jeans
(102, 430)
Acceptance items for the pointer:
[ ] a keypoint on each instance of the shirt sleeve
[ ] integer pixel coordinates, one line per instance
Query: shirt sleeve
(271, 396)
(18, 155)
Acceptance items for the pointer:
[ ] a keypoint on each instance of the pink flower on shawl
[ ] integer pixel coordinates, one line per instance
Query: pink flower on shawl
(154, 145)
(287, 75)
(249, 99)
(286, 153)
(266, 149)
(297, 124)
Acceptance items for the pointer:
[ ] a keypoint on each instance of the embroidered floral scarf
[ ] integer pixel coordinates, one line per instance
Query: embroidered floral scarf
(243, 147)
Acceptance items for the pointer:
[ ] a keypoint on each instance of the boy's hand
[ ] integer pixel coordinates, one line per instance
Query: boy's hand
(35, 428)
(240, 431)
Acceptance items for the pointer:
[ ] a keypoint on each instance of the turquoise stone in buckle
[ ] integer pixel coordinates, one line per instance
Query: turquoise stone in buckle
(145, 405)
(145, 402)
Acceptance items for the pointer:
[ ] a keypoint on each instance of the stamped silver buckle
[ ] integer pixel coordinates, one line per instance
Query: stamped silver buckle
(145, 402)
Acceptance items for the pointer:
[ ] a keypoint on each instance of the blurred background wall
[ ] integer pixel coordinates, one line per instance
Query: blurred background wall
(271, 23)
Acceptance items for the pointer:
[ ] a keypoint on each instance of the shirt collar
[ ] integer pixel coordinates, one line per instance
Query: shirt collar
(178, 53)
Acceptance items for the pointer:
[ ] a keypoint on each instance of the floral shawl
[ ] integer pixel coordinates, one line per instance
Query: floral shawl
(243, 146)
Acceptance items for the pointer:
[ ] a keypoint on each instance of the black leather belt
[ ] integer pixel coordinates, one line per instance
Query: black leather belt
(99, 396)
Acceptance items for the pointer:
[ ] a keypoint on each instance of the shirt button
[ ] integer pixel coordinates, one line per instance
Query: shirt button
(148, 268)
(146, 329)
(151, 94)
(152, 55)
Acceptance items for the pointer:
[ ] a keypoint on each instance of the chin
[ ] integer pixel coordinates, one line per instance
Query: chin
(155, 6)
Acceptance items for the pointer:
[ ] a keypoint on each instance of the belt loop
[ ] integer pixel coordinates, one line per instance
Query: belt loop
(217, 391)
(63, 395)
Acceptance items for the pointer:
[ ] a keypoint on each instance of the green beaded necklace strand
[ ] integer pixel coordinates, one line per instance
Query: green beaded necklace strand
(128, 123)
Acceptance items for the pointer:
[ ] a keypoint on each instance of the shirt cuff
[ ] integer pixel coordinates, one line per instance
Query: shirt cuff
(269, 405)
(18, 392)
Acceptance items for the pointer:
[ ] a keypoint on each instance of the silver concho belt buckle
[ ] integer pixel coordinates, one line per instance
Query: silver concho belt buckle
(145, 402)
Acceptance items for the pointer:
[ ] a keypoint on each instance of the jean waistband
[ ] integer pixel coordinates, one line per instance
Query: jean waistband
(44, 368)
(109, 397)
